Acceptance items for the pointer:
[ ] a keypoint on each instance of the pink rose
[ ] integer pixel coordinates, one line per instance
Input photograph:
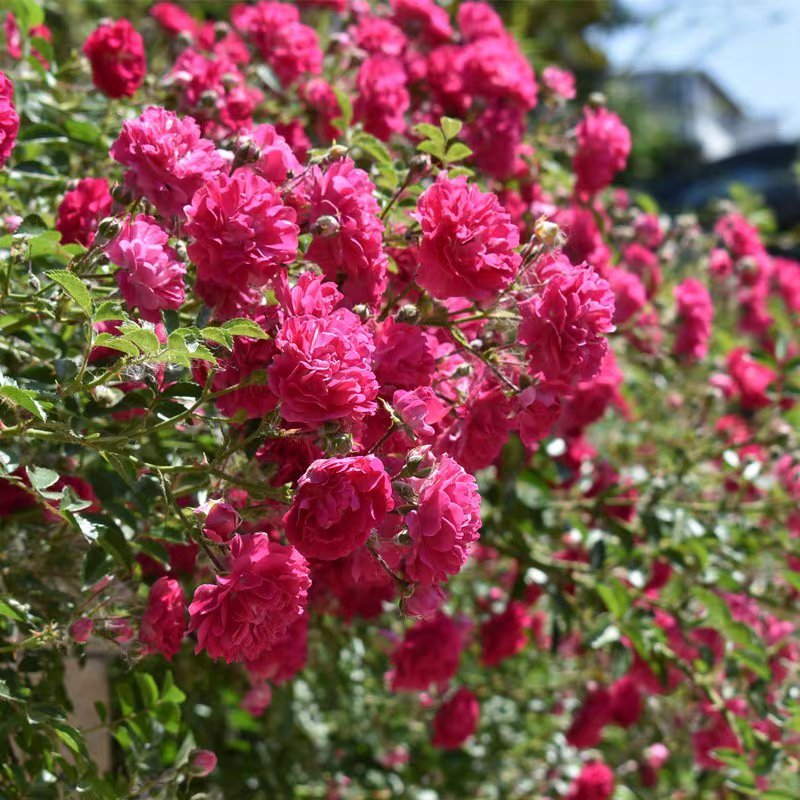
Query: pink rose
(694, 313)
(468, 241)
(429, 654)
(167, 159)
(82, 209)
(116, 53)
(563, 325)
(252, 606)
(603, 147)
(243, 233)
(595, 782)
(163, 622)
(444, 524)
(456, 720)
(503, 635)
(150, 276)
(322, 370)
(339, 502)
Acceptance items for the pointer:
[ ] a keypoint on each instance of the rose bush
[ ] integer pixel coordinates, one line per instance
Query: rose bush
(371, 442)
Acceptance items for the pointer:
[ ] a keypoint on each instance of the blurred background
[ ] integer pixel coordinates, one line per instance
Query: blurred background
(708, 88)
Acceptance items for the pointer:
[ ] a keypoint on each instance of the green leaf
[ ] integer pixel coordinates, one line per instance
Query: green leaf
(142, 338)
(457, 152)
(109, 311)
(7, 611)
(25, 398)
(85, 132)
(373, 147)
(32, 225)
(245, 327)
(218, 335)
(451, 127)
(615, 596)
(429, 132)
(28, 13)
(436, 149)
(116, 343)
(170, 693)
(346, 106)
(74, 287)
(147, 688)
(41, 478)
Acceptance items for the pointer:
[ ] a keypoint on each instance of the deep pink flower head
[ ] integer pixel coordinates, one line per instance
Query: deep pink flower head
(339, 502)
(173, 19)
(243, 233)
(295, 52)
(444, 524)
(561, 82)
(495, 68)
(468, 241)
(351, 254)
(626, 701)
(82, 209)
(420, 409)
(311, 294)
(167, 159)
(787, 279)
(751, 379)
(202, 763)
(595, 782)
(604, 144)
(276, 162)
(81, 630)
(322, 370)
(252, 606)
(495, 138)
(214, 91)
(644, 263)
(537, 412)
(258, 699)
(503, 635)
(382, 96)
(116, 53)
(14, 39)
(319, 96)
(478, 20)
(630, 294)
(150, 276)
(429, 654)
(289, 47)
(219, 519)
(285, 658)
(563, 326)
(456, 720)
(739, 236)
(593, 715)
(694, 312)
(164, 619)
(422, 18)
(9, 119)
(404, 356)
(378, 36)
(481, 425)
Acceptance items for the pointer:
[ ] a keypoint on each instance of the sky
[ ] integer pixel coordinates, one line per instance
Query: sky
(751, 47)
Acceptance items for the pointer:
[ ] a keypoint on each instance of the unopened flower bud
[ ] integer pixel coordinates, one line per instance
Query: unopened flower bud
(208, 99)
(202, 763)
(221, 29)
(339, 444)
(219, 519)
(362, 310)
(184, 39)
(408, 313)
(597, 100)
(247, 150)
(337, 152)
(420, 164)
(462, 371)
(405, 492)
(34, 283)
(108, 229)
(121, 194)
(325, 226)
(549, 233)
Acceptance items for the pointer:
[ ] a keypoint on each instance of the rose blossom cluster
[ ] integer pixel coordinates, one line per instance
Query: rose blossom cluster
(406, 337)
